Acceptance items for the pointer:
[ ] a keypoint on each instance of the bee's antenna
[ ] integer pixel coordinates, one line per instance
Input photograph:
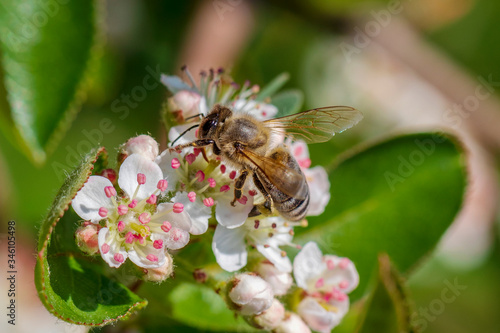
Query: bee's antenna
(180, 136)
(196, 115)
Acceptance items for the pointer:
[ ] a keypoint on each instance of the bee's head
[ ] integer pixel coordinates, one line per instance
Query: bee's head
(213, 121)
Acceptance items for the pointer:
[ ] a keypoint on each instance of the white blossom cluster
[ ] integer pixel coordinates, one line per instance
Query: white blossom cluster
(159, 199)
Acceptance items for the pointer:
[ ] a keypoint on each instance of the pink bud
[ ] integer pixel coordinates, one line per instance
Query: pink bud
(87, 238)
(280, 281)
(250, 294)
(110, 174)
(143, 145)
(161, 273)
(270, 318)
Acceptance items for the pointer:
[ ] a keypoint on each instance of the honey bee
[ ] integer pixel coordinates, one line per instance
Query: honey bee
(249, 145)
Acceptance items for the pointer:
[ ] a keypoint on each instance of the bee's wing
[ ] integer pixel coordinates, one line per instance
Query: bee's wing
(316, 125)
(284, 178)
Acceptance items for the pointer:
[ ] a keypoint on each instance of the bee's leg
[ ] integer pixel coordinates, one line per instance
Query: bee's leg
(197, 143)
(268, 204)
(240, 182)
(204, 153)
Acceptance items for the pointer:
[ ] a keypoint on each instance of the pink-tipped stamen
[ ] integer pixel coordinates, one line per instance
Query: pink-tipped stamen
(232, 174)
(344, 262)
(110, 191)
(105, 248)
(119, 257)
(211, 182)
(162, 185)
(175, 164)
(343, 284)
(133, 203)
(222, 168)
(129, 238)
(103, 212)
(256, 224)
(145, 217)
(152, 199)
(305, 163)
(209, 202)
(141, 178)
(243, 200)
(192, 196)
(200, 175)
(122, 210)
(178, 207)
(330, 264)
(152, 258)
(120, 226)
(252, 193)
(320, 283)
(190, 158)
(224, 188)
(166, 226)
(158, 244)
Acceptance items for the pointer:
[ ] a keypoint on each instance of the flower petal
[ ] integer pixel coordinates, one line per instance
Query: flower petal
(176, 131)
(174, 83)
(229, 248)
(198, 212)
(179, 220)
(308, 264)
(139, 254)
(164, 161)
(273, 254)
(342, 270)
(174, 239)
(114, 248)
(319, 190)
(91, 197)
(318, 318)
(229, 216)
(127, 177)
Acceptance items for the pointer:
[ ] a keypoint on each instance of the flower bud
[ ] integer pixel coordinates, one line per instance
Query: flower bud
(161, 273)
(86, 238)
(270, 318)
(250, 294)
(292, 324)
(142, 144)
(279, 281)
(185, 101)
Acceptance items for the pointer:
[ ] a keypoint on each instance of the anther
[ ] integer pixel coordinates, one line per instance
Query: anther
(122, 210)
(190, 158)
(144, 217)
(224, 188)
(166, 226)
(200, 175)
(209, 202)
(120, 226)
(178, 207)
(152, 199)
(158, 244)
(192, 196)
(103, 212)
(141, 178)
(162, 185)
(118, 257)
(104, 248)
(110, 191)
(133, 203)
(211, 182)
(232, 174)
(175, 164)
(152, 257)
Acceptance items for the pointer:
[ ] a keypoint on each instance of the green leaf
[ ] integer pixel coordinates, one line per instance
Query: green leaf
(201, 307)
(396, 197)
(288, 102)
(46, 48)
(272, 87)
(387, 310)
(69, 284)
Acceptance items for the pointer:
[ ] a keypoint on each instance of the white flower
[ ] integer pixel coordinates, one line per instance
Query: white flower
(267, 235)
(250, 294)
(280, 281)
(201, 185)
(270, 318)
(326, 280)
(135, 227)
(143, 145)
(292, 323)
(259, 110)
(317, 178)
(185, 101)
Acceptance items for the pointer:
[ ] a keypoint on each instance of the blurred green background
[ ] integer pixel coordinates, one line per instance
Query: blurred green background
(458, 40)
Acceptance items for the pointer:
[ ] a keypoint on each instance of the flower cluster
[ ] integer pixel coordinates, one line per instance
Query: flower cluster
(156, 200)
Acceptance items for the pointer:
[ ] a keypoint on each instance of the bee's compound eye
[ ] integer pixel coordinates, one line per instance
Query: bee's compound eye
(209, 124)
